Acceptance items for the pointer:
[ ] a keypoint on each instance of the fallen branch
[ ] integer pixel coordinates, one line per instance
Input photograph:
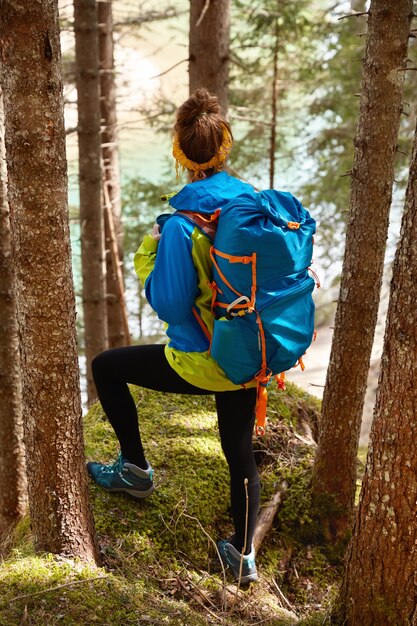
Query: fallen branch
(266, 517)
(24, 616)
(218, 618)
(283, 598)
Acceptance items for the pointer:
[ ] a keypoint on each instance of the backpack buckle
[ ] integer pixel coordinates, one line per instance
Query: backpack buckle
(239, 301)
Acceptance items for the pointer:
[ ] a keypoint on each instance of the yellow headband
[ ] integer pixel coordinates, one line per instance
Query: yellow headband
(198, 168)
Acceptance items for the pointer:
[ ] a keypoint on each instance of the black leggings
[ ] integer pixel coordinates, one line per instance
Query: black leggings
(146, 366)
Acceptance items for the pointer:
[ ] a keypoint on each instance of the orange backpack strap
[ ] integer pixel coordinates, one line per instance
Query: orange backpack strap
(206, 223)
(261, 403)
(280, 378)
(202, 324)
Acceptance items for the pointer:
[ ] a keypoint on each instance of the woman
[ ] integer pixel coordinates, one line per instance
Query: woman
(175, 267)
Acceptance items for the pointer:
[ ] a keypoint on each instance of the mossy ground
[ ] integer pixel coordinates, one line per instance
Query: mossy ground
(159, 564)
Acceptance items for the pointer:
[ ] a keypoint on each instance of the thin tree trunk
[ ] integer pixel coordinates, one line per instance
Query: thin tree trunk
(274, 99)
(13, 488)
(90, 177)
(118, 334)
(334, 476)
(380, 584)
(61, 519)
(209, 47)
(114, 261)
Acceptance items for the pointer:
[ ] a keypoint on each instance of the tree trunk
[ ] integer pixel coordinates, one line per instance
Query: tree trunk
(209, 47)
(380, 585)
(274, 99)
(372, 179)
(118, 334)
(90, 176)
(37, 192)
(13, 493)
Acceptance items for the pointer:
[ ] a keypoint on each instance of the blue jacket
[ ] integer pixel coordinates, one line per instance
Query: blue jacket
(176, 273)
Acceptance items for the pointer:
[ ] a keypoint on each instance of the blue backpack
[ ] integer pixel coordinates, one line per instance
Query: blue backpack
(262, 289)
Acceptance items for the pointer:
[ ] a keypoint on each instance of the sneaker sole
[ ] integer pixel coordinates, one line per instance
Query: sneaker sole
(136, 495)
(250, 578)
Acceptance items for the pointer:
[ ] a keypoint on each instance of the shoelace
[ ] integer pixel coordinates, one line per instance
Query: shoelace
(115, 467)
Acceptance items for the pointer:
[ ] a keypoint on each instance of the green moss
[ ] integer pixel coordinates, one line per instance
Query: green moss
(148, 547)
(63, 591)
(295, 515)
(320, 618)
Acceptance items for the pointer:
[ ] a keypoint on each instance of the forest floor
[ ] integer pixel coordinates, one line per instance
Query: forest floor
(158, 558)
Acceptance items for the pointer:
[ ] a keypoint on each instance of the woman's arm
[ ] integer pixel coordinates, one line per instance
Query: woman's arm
(167, 271)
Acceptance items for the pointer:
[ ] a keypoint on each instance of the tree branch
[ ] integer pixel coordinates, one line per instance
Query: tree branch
(194, 597)
(169, 69)
(203, 12)
(69, 131)
(356, 14)
(150, 16)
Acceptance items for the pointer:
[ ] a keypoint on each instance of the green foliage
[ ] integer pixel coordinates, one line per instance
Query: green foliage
(333, 111)
(259, 31)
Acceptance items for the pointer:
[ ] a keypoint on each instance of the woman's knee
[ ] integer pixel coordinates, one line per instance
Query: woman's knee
(101, 364)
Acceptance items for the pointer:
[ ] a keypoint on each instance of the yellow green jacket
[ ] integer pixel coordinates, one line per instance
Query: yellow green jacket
(176, 273)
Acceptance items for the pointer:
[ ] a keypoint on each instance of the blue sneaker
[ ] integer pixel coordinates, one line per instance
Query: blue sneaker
(232, 558)
(124, 477)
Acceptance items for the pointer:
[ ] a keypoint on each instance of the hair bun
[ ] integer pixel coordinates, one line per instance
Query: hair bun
(201, 104)
(199, 130)
(205, 102)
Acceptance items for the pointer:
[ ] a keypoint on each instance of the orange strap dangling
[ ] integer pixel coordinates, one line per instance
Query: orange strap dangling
(280, 378)
(261, 402)
(300, 362)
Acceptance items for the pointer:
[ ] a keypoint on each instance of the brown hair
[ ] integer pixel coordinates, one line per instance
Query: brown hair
(199, 127)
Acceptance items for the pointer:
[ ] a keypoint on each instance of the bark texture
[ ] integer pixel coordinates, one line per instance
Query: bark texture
(13, 494)
(118, 334)
(90, 177)
(380, 585)
(371, 192)
(274, 106)
(37, 191)
(209, 47)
